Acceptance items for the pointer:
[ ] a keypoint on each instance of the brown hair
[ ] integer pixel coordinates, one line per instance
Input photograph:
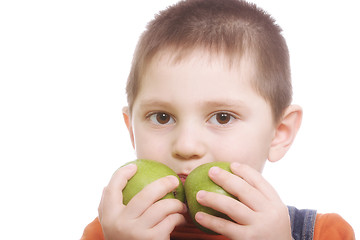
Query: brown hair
(230, 27)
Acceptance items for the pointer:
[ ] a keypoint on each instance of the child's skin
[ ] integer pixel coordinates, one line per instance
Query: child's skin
(189, 113)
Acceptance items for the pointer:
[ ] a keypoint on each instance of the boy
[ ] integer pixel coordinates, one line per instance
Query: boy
(210, 81)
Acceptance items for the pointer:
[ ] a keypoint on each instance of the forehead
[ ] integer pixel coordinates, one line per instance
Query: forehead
(198, 75)
(243, 65)
(178, 55)
(242, 68)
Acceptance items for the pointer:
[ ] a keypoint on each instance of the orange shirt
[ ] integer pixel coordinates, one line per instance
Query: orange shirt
(329, 226)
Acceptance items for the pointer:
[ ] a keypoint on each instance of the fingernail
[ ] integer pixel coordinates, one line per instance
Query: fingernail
(174, 181)
(214, 171)
(199, 216)
(201, 194)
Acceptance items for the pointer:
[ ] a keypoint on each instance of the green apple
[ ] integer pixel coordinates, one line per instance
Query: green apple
(198, 180)
(147, 172)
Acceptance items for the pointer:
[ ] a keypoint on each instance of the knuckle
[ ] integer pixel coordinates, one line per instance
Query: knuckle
(164, 182)
(248, 191)
(163, 185)
(226, 178)
(108, 192)
(171, 205)
(168, 204)
(231, 204)
(168, 181)
(175, 204)
(174, 219)
(218, 224)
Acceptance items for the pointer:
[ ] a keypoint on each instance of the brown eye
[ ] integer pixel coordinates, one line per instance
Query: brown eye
(161, 118)
(223, 118)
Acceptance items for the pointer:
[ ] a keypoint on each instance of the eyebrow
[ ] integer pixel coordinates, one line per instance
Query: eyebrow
(151, 103)
(226, 104)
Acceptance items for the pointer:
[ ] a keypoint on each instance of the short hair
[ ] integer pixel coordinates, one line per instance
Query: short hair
(229, 27)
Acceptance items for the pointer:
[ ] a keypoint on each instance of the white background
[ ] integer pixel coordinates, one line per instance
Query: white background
(63, 68)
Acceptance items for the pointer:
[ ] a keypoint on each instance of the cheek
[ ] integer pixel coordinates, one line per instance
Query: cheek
(252, 151)
(148, 146)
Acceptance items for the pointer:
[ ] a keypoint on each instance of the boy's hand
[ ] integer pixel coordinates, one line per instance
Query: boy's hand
(258, 213)
(144, 217)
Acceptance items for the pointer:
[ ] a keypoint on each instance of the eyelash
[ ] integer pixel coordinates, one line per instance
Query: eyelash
(168, 119)
(153, 117)
(215, 115)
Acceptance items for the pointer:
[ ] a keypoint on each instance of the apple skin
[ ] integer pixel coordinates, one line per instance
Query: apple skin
(199, 179)
(147, 172)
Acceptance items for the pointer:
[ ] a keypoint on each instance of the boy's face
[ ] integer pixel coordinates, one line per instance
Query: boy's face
(198, 111)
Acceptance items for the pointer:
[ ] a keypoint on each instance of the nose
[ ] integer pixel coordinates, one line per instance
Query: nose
(188, 143)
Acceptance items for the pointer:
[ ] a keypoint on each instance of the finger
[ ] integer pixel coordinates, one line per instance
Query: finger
(160, 210)
(255, 179)
(112, 194)
(121, 176)
(149, 195)
(227, 205)
(222, 226)
(166, 226)
(100, 208)
(238, 187)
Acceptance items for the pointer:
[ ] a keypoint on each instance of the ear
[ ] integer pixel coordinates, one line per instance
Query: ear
(127, 120)
(285, 132)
